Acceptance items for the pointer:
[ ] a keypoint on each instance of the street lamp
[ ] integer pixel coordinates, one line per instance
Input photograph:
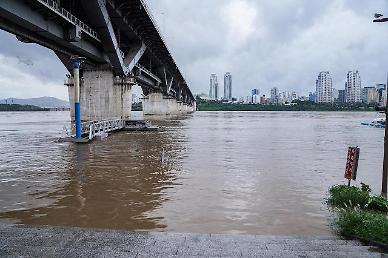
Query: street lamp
(380, 18)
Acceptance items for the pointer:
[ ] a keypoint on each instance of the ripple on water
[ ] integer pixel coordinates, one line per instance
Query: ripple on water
(243, 172)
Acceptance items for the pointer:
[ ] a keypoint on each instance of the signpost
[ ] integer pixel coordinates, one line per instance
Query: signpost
(352, 164)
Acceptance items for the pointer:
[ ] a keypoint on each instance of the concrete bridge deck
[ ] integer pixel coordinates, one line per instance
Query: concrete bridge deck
(26, 241)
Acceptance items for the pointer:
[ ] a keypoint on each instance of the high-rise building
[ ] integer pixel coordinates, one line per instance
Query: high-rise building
(228, 87)
(369, 95)
(324, 86)
(256, 99)
(380, 90)
(275, 95)
(341, 96)
(213, 91)
(255, 92)
(383, 101)
(353, 87)
(284, 97)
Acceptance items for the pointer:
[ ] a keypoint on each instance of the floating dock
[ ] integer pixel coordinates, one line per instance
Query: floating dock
(92, 130)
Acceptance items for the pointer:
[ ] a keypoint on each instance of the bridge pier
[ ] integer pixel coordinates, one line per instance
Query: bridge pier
(102, 96)
(157, 104)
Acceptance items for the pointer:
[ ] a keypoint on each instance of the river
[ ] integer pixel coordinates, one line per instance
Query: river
(222, 172)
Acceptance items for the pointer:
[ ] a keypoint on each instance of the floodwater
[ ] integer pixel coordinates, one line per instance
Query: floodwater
(222, 172)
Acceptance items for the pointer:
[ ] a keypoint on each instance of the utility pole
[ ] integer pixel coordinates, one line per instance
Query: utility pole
(380, 18)
(77, 105)
(385, 166)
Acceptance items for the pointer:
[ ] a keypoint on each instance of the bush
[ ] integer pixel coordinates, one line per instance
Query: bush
(348, 196)
(363, 224)
(365, 188)
(359, 214)
(377, 203)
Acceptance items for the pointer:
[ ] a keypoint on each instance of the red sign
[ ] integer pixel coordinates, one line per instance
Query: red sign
(352, 163)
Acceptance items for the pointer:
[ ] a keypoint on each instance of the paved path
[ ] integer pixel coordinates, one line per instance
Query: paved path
(25, 241)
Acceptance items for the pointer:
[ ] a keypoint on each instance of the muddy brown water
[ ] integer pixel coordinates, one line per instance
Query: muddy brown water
(223, 172)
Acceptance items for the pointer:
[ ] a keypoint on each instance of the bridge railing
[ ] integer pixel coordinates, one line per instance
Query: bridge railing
(149, 73)
(94, 128)
(54, 6)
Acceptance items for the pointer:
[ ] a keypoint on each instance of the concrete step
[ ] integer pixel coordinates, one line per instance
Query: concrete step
(70, 242)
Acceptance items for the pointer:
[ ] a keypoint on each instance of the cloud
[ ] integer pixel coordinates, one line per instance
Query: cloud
(240, 19)
(283, 43)
(275, 43)
(16, 81)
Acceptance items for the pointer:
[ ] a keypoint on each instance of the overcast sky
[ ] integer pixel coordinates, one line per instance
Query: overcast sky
(283, 43)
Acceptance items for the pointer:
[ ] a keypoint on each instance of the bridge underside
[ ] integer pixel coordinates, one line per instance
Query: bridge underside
(121, 45)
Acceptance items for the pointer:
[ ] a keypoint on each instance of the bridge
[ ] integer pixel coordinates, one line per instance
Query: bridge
(108, 46)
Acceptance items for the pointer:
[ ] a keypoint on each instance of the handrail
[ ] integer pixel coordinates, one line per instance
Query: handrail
(153, 76)
(92, 128)
(54, 6)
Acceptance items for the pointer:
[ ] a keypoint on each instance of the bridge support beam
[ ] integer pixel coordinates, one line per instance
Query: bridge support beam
(103, 96)
(159, 105)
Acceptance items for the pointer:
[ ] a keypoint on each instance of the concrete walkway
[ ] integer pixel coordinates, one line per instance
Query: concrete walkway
(25, 241)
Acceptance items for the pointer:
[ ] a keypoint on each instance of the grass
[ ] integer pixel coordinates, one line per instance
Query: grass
(348, 196)
(358, 214)
(363, 224)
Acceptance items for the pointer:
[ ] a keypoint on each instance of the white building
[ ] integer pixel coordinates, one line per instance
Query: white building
(248, 99)
(284, 97)
(135, 99)
(353, 87)
(213, 91)
(324, 87)
(256, 99)
(228, 87)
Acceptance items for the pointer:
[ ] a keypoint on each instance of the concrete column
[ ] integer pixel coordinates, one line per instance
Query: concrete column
(153, 104)
(157, 104)
(126, 102)
(102, 98)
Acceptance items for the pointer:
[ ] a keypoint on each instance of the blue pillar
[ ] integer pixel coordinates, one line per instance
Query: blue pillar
(77, 105)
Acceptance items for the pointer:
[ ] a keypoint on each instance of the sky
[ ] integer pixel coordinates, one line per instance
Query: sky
(264, 44)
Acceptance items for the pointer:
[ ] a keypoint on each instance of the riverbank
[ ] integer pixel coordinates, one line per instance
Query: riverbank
(70, 242)
(297, 106)
(16, 107)
(357, 214)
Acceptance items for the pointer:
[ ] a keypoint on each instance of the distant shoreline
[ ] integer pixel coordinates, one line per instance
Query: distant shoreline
(301, 106)
(344, 111)
(27, 108)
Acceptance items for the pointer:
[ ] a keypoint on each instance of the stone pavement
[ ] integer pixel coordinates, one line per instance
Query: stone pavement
(27, 241)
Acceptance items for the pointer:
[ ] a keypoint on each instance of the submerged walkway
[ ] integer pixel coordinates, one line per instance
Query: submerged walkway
(16, 241)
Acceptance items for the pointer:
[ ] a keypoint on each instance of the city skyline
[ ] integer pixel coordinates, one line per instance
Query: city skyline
(268, 52)
(356, 79)
(353, 91)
